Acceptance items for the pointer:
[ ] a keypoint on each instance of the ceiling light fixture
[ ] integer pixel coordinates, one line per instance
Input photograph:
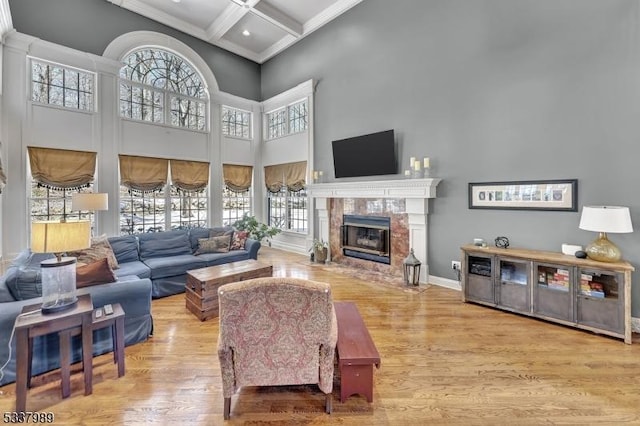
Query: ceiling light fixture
(246, 33)
(176, 1)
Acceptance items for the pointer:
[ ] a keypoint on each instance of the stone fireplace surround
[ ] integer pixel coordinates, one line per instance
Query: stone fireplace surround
(406, 201)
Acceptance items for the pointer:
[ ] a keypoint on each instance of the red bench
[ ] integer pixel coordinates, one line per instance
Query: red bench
(357, 354)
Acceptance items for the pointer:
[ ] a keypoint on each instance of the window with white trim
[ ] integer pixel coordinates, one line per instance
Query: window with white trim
(298, 117)
(234, 205)
(286, 121)
(236, 123)
(276, 124)
(153, 79)
(47, 203)
(189, 208)
(287, 210)
(67, 87)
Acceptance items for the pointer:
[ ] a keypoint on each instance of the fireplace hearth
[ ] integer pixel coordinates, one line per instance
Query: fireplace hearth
(367, 237)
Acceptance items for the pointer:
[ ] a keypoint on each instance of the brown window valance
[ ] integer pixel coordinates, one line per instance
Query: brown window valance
(237, 178)
(291, 175)
(62, 168)
(189, 175)
(143, 174)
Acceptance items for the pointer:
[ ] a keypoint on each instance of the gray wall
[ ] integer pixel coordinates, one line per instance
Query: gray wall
(90, 25)
(492, 90)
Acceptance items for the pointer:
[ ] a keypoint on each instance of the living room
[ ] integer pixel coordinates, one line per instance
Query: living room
(489, 91)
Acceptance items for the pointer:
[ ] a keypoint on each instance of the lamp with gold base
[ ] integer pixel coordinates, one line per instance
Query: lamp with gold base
(603, 219)
(59, 274)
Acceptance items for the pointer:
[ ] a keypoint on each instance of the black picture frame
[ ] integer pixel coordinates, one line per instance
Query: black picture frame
(551, 195)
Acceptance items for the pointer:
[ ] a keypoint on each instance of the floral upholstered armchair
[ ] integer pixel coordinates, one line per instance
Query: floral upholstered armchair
(276, 331)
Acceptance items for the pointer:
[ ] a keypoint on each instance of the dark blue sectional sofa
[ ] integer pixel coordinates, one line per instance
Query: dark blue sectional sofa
(151, 265)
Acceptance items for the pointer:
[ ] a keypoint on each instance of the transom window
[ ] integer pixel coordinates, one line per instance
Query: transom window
(286, 121)
(276, 124)
(151, 79)
(62, 86)
(298, 117)
(236, 123)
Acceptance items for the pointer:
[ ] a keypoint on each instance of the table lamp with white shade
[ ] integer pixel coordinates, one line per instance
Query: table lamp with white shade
(59, 274)
(603, 219)
(89, 201)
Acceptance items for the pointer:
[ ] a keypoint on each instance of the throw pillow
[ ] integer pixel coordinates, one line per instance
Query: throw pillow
(94, 273)
(213, 245)
(239, 240)
(100, 249)
(220, 231)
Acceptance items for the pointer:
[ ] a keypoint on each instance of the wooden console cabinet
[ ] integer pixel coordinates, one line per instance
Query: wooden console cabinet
(581, 293)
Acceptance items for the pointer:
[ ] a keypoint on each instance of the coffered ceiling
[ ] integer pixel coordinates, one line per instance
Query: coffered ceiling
(255, 29)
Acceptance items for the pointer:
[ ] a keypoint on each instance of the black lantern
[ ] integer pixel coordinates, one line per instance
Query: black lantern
(411, 269)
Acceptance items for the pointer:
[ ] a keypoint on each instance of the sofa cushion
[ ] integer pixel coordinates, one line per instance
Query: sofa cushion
(23, 278)
(137, 268)
(125, 248)
(100, 249)
(213, 245)
(5, 294)
(164, 244)
(98, 272)
(220, 258)
(196, 234)
(162, 267)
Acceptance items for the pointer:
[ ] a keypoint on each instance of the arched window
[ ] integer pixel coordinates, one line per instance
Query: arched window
(162, 87)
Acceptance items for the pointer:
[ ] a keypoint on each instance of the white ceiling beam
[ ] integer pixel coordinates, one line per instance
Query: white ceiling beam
(228, 18)
(278, 18)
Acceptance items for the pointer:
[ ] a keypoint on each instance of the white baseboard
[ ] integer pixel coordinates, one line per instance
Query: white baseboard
(288, 247)
(445, 282)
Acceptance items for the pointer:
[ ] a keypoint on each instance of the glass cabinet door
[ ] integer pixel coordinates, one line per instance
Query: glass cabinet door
(479, 284)
(512, 285)
(600, 297)
(553, 291)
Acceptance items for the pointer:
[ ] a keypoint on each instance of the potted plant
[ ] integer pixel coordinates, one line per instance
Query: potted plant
(257, 230)
(320, 249)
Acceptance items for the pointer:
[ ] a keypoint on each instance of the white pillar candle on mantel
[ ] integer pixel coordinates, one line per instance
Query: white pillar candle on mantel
(315, 175)
(412, 160)
(416, 166)
(407, 173)
(426, 163)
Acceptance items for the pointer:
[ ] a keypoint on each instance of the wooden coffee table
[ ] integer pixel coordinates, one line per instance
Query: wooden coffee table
(201, 291)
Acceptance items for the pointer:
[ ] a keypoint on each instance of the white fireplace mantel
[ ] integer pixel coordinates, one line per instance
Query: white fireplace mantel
(398, 188)
(416, 192)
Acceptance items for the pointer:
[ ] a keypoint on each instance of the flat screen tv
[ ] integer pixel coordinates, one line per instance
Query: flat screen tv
(366, 155)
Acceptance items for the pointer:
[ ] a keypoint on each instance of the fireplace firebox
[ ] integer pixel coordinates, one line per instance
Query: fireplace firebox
(367, 237)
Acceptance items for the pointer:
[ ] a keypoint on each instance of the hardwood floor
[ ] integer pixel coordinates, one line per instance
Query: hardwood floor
(443, 362)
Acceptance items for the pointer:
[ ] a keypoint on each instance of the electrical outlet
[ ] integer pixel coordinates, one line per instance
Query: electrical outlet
(455, 265)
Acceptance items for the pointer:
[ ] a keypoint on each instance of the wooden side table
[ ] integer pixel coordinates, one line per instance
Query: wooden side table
(115, 321)
(32, 323)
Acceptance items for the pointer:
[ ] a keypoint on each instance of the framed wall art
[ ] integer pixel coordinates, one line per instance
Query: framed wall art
(556, 195)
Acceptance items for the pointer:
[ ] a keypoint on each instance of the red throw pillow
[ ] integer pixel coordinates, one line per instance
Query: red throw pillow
(239, 240)
(94, 273)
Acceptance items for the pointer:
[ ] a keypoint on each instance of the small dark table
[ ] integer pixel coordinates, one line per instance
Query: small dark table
(29, 325)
